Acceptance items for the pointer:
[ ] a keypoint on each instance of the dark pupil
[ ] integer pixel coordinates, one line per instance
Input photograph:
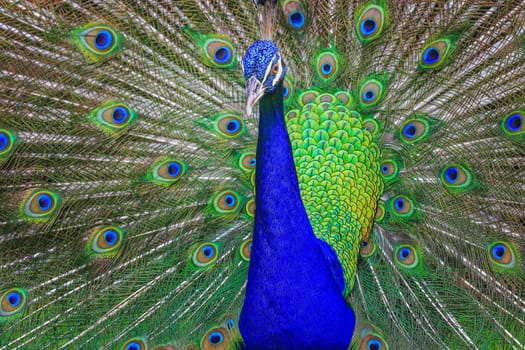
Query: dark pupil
(515, 122)
(400, 204)
(296, 18)
(369, 25)
(118, 115)
(326, 68)
(453, 174)
(369, 94)
(384, 168)
(133, 347)
(208, 252)
(285, 93)
(232, 126)
(374, 346)
(110, 237)
(172, 169)
(364, 244)
(101, 39)
(229, 200)
(411, 130)
(221, 54)
(405, 253)
(43, 202)
(433, 54)
(13, 300)
(500, 251)
(215, 339)
(3, 141)
(252, 161)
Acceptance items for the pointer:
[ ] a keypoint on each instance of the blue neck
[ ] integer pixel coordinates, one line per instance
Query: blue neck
(294, 293)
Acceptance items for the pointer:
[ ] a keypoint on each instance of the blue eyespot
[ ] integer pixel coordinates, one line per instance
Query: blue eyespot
(45, 201)
(514, 122)
(110, 237)
(451, 175)
(296, 19)
(230, 200)
(133, 346)
(103, 39)
(119, 115)
(215, 338)
(410, 130)
(374, 344)
(285, 91)
(404, 253)
(368, 26)
(363, 244)
(327, 68)
(174, 169)
(253, 161)
(14, 299)
(498, 251)
(208, 251)
(400, 204)
(369, 95)
(223, 54)
(233, 126)
(431, 55)
(385, 169)
(4, 141)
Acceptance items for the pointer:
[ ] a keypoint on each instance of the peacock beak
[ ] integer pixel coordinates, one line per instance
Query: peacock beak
(254, 91)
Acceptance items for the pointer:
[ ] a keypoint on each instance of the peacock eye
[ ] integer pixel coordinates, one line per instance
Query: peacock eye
(275, 69)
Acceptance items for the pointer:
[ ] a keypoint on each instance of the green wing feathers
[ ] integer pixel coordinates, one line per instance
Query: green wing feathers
(127, 168)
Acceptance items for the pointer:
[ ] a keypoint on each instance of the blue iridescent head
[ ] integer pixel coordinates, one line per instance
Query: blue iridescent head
(263, 69)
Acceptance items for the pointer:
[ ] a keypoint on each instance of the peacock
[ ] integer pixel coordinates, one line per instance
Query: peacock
(267, 174)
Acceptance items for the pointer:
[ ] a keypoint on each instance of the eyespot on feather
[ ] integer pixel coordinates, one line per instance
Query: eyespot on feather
(512, 124)
(250, 208)
(380, 211)
(247, 161)
(307, 96)
(370, 22)
(113, 117)
(288, 89)
(295, 15)
(502, 256)
(373, 341)
(226, 202)
(245, 250)
(456, 177)
(372, 126)
(205, 255)
(217, 51)
(414, 130)
(138, 343)
(104, 241)
(7, 143)
(39, 205)
(367, 248)
(328, 64)
(434, 55)
(402, 206)
(371, 91)
(229, 125)
(166, 171)
(406, 256)
(13, 301)
(215, 339)
(389, 169)
(97, 41)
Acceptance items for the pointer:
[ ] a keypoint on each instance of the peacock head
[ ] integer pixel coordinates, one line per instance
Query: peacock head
(263, 69)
